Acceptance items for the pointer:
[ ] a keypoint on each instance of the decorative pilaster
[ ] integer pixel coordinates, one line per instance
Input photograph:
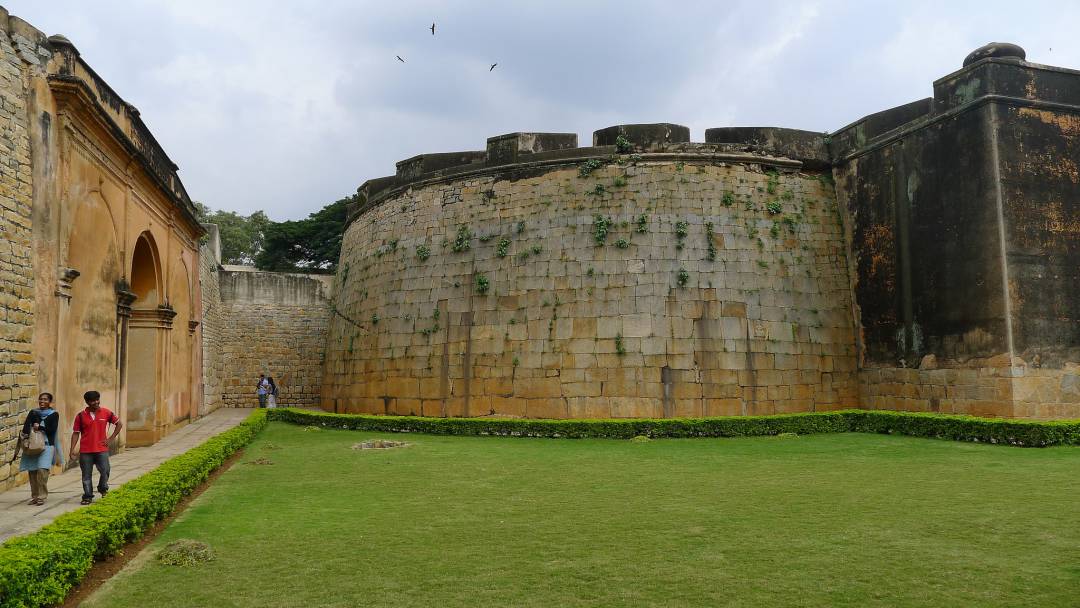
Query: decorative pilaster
(66, 277)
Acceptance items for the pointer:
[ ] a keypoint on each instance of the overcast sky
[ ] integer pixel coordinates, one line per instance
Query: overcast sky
(288, 106)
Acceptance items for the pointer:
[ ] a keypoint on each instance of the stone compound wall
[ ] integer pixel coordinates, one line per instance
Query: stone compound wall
(273, 324)
(213, 322)
(689, 280)
(17, 378)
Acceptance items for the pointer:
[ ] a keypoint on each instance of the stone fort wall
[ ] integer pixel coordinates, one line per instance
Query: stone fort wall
(270, 323)
(660, 279)
(17, 375)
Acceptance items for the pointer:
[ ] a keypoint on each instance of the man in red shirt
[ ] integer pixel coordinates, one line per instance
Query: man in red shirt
(90, 443)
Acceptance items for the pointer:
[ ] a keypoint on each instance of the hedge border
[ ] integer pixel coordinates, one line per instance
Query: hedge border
(39, 569)
(1023, 433)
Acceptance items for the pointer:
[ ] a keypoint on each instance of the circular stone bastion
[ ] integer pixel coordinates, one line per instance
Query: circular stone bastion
(644, 276)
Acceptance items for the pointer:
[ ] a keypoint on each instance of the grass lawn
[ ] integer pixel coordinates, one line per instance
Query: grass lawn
(824, 520)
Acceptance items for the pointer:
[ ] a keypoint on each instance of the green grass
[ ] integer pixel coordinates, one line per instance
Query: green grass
(823, 520)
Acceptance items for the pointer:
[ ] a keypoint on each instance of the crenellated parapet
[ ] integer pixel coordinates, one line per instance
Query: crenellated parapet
(526, 153)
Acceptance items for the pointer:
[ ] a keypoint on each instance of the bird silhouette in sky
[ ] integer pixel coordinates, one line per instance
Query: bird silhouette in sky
(432, 28)
(492, 66)
(400, 59)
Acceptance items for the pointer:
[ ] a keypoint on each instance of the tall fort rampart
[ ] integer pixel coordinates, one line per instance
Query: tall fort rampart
(923, 258)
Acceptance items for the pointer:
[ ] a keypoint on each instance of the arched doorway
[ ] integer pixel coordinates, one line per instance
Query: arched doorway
(151, 320)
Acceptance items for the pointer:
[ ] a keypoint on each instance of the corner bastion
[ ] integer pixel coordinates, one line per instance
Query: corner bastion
(922, 258)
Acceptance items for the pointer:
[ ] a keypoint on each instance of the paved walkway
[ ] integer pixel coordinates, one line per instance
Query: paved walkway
(65, 489)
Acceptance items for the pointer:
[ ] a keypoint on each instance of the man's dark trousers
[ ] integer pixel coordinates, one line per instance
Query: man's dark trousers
(87, 462)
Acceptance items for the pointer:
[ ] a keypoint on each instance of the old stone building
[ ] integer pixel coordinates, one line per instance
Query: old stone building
(98, 249)
(922, 258)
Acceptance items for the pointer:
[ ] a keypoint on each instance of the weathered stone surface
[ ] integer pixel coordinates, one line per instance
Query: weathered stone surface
(644, 137)
(567, 328)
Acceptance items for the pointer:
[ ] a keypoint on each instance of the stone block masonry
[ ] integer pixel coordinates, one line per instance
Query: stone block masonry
(17, 371)
(692, 280)
(213, 321)
(273, 324)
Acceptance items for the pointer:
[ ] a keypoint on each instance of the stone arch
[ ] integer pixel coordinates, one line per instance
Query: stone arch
(180, 389)
(148, 337)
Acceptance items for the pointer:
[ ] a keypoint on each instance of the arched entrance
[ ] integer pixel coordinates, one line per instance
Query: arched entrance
(150, 322)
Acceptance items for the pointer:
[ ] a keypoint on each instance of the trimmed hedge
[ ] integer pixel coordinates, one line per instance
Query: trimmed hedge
(40, 569)
(959, 428)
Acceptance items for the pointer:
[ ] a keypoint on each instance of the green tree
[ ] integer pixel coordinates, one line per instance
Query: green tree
(241, 236)
(308, 245)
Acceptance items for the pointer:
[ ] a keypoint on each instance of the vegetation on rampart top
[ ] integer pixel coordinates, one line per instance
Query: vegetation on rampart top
(310, 245)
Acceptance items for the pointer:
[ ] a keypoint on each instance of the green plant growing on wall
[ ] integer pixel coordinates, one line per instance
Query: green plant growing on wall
(589, 166)
(422, 253)
(752, 231)
(774, 232)
(536, 249)
(523, 255)
(709, 244)
(772, 182)
(763, 263)
(680, 165)
(623, 145)
(749, 205)
(601, 226)
(682, 278)
(482, 284)
(642, 224)
(728, 199)
(618, 182)
(591, 271)
(791, 223)
(516, 362)
(788, 195)
(620, 349)
(520, 227)
(483, 238)
(463, 240)
(681, 230)
(374, 319)
(392, 245)
(598, 190)
(774, 207)
(622, 243)
(503, 247)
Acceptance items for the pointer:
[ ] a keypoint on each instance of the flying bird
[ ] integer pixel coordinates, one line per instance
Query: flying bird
(492, 66)
(432, 28)
(400, 59)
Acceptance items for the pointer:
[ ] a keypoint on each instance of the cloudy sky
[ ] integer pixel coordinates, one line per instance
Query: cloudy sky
(286, 106)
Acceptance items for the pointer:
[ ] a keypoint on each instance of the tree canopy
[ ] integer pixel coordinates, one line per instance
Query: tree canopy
(310, 245)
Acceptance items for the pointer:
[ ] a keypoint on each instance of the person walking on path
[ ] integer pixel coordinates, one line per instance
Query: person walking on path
(271, 397)
(88, 440)
(45, 420)
(262, 389)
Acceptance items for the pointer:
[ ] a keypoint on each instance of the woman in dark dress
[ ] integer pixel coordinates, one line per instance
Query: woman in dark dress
(38, 467)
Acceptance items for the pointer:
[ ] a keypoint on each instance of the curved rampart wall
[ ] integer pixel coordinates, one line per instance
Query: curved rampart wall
(719, 287)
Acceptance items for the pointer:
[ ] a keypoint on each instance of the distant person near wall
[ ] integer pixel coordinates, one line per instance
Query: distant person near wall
(45, 420)
(262, 389)
(89, 441)
(271, 397)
